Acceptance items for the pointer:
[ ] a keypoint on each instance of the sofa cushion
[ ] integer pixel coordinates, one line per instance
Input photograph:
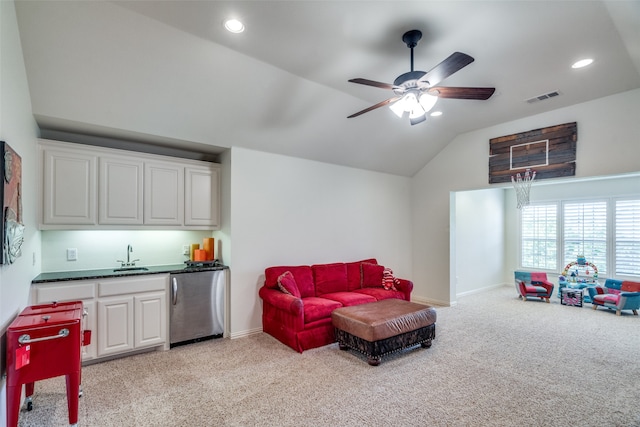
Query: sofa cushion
(330, 278)
(287, 284)
(316, 308)
(371, 275)
(354, 276)
(530, 289)
(350, 298)
(629, 286)
(301, 273)
(380, 293)
(607, 298)
(538, 277)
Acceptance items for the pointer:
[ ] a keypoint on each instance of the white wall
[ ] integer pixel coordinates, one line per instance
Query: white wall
(608, 144)
(19, 130)
(288, 211)
(479, 240)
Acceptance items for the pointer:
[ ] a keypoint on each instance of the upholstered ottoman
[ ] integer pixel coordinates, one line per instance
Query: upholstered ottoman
(383, 327)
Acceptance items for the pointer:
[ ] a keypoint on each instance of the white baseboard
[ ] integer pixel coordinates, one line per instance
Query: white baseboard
(485, 289)
(430, 301)
(246, 333)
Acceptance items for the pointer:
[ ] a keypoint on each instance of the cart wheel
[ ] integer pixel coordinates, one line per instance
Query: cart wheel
(29, 406)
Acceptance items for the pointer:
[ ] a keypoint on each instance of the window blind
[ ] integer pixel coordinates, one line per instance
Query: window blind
(538, 236)
(627, 237)
(585, 233)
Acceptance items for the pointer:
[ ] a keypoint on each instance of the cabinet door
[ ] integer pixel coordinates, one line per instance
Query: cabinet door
(150, 319)
(120, 189)
(69, 187)
(201, 198)
(163, 194)
(115, 325)
(72, 291)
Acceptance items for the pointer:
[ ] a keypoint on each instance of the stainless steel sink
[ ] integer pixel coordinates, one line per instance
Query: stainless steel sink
(116, 270)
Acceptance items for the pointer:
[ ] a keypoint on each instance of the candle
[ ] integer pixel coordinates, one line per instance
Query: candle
(199, 255)
(207, 245)
(194, 247)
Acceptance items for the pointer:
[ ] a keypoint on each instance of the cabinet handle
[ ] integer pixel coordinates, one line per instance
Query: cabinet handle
(174, 291)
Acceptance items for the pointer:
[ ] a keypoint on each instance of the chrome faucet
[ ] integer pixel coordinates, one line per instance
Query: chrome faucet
(129, 263)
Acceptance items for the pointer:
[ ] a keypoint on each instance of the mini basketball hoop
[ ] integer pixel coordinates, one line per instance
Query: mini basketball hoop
(522, 185)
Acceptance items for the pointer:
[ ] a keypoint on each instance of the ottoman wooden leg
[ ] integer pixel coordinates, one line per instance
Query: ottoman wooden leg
(343, 347)
(373, 361)
(426, 344)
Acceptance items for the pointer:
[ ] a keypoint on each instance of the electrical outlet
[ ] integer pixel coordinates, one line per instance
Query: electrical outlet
(185, 250)
(72, 254)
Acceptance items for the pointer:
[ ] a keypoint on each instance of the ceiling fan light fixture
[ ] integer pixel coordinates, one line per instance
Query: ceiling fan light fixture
(418, 119)
(428, 101)
(397, 108)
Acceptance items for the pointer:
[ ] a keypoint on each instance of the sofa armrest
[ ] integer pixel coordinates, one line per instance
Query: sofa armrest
(630, 294)
(281, 301)
(406, 287)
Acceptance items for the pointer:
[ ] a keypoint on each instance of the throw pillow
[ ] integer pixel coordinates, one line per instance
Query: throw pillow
(388, 281)
(287, 284)
(371, 275)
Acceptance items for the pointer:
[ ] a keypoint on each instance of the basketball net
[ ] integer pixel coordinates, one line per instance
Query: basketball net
(522, 185)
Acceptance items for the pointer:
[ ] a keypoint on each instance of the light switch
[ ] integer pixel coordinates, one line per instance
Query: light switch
(72, 254)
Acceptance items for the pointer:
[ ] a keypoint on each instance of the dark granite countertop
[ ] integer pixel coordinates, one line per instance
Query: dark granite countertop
(61, 276)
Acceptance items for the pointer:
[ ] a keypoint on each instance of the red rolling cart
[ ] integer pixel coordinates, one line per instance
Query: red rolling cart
(44, 341)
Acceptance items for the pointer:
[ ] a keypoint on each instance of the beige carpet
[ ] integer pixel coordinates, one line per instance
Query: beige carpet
(496, 361)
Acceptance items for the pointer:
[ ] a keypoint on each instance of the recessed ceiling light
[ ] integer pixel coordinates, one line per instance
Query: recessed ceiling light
(436, 114)
(582, 63)
(234, 26)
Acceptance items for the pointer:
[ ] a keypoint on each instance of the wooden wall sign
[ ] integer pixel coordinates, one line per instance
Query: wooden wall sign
(550, 152)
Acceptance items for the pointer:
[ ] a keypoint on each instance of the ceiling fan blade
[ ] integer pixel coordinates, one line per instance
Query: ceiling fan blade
(455, 62)
(374, 83)
(481, 93)
(378, 105)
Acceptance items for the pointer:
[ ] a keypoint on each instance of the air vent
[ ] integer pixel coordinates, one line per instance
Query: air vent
(543, 97)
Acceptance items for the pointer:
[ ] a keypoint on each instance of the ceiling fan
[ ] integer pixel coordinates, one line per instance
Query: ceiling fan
(415, 91)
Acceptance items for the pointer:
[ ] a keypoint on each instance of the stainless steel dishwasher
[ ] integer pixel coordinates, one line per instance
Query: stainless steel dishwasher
(197, 306)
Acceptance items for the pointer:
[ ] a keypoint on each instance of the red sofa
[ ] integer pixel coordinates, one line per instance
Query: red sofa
(304, 322)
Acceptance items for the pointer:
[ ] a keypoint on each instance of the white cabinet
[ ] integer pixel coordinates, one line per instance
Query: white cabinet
(163, 194)
(123, 314)
(115, 325)
(69, 184)
(84, 291)
(86, 187)
(150, 319)
(120, 190)
(201, 196)
(132, 313)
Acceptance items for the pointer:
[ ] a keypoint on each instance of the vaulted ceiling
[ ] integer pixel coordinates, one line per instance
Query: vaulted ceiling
(168, 73)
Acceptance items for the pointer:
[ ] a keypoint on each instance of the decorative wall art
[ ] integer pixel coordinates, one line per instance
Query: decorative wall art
(12, 227)
(550, 152)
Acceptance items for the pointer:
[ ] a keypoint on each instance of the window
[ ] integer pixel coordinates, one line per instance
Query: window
(606, 232)
(539, 241)
(585, 233)
(627, 238)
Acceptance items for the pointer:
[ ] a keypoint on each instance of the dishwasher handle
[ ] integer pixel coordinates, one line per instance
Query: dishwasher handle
(174, 290)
